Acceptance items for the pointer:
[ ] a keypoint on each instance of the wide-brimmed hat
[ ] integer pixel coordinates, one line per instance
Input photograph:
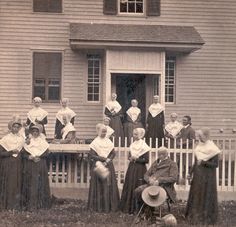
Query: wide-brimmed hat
(154, 196)
(15, 120)
(38, 127)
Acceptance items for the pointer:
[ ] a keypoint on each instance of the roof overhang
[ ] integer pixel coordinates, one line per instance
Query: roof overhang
(183, 39)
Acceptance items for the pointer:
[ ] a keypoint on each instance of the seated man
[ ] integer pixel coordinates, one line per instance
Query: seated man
(163, 172)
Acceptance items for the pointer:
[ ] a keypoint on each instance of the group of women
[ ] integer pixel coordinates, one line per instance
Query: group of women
(103, 190)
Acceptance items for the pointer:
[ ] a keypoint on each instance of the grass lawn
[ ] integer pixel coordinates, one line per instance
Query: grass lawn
(72, 213)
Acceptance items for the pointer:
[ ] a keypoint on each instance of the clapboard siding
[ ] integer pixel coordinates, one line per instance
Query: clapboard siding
(205, 83)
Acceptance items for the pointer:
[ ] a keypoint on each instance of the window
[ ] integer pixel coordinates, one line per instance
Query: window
(131, 6)
(94, 75)
(50, 6)
(170, 80)
(47, 69)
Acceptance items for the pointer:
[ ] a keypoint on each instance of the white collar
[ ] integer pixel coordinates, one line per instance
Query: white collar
(37, 113)
(155, 109)
(133, 112)
(65, 111)
(138, 148)
(113, 106)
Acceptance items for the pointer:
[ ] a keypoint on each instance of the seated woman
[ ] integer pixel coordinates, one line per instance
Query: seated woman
(139, 157)
(10, 167)
(35, 182)
(64, 111)
(37, 115)
(68, 134)
(103, 190)
(133, 120)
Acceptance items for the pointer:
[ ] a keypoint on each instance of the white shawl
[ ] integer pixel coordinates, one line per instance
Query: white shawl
(206, 151)
(138, 148)
(133, 112)
(113, 106)
(68, 128)
(65, 111)
(173, 128)
(155, 109)
(102, 146)
(12, 142)
(37, 113)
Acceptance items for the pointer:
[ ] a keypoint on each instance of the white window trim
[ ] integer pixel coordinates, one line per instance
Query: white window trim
(132, 14)
(100, 82)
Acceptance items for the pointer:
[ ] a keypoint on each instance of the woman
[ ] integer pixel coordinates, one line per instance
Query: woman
(68, 134)
(138, 157)
(35, 182)
(37, 115)
(10, 167)
(202, 205)
(64, 111)
(155, 123)
(172, 129)
(103, 192)
(133, 120)
(113, 110)
(110, 132)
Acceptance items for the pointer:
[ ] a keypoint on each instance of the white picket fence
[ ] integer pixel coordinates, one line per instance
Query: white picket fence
(69, 164)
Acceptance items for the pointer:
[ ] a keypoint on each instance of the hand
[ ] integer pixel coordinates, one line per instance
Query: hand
(31, 157)
(108, 160)
(151, 180)
(199, 162)
(36, 159)
(156, 183)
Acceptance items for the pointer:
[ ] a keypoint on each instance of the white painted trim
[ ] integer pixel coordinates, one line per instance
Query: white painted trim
(131, 14)
(163, 61)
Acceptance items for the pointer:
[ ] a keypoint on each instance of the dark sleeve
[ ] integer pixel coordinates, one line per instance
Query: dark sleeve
(57, 126)
(72, 121)
(45, 154)
(192, 134)
(149, 118)
(108, 113)
(211, 163)
(162, 117)
(4, 153)
(45, 120)
(28, 121)
(24, 154)
(138, 118)
(128, 118)
(149, 172)
(112, 154)
(173, 175)
(143, 158)
(93, 156)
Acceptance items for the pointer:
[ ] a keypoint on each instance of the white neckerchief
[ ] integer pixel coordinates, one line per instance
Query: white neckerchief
(12, 142)
(173, 128)
(37, 113)
(37, 146)
(138, 148)
(206, 151)
(133, 112)
(65, 111)
(155, 109)
(110, 131)
(113, 106)
(68, 128)
(102, 146)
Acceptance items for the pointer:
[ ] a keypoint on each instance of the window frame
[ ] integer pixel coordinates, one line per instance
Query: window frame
(133, 13)
(47, 79)
(99, 58)
(46, 12)
(174, 80)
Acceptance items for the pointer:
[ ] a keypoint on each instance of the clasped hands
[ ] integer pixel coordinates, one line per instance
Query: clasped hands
(153, 181)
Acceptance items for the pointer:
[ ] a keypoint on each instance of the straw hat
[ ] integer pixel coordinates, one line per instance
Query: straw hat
(15, 120)
(154, 196)
(169, 220)
(101, 170)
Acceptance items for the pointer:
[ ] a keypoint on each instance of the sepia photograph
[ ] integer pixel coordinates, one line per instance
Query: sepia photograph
(117, 113)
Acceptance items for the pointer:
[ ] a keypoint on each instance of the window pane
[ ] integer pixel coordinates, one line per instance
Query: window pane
(52, 6)
(123, 6)
(55, 6)
(139, 8)
(54, 89)
(131, 7)
(96, 97)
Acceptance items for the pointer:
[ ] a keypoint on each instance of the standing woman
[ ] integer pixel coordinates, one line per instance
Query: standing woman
(138, 157)
(113, 110)
(155, 122)
(103, 189)
(35, 183)
(10, 166)
(133, 120)
(64, 111)
(202, 205)
(37, 115)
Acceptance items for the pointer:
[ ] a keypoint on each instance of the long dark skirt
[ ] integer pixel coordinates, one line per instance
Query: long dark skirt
(133, 179)
(202, 206)
(103, 194)
(35, 188)
(10, 183)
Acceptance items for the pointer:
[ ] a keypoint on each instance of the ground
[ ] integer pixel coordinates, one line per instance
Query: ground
(73, 213)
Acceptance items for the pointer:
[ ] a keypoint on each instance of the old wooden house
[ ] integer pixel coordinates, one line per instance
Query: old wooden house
(183, 50)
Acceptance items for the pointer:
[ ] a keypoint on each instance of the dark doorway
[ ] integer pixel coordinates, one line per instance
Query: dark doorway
(131, 86)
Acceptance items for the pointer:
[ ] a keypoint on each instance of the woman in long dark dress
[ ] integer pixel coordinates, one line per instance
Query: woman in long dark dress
(202, 205)
(155, 123)
(103, 193)
(133, 120)
(139, 157)
(37, 115)
(113, 110)
(35, 182)
(64, 111)
(10, 167)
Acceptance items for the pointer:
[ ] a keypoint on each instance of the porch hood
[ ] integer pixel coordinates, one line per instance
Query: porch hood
(168, 38)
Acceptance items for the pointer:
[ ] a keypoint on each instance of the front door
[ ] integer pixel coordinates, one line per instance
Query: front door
(131, 86)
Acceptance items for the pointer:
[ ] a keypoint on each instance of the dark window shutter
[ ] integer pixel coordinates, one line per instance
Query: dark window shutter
(110, 7)
(153, 7)
(40, 5)
(55, 6)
